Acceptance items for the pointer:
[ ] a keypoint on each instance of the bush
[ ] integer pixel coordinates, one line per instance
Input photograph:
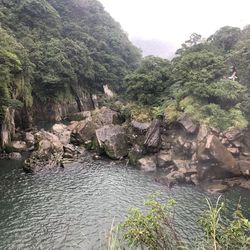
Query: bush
(221, 235)
(152, 230)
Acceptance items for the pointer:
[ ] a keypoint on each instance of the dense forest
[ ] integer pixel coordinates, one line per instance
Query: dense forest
(52, 49)
(208, 79)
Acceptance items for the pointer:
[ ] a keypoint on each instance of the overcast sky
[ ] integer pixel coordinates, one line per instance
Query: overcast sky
(174, 20)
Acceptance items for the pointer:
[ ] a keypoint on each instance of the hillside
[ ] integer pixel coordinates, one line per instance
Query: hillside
(58, 51)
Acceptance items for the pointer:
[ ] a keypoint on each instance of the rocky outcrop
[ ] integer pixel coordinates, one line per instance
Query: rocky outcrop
(106, 116)
(153, 137)
(187, 123)
(148, 164)
(51, 150)
(112, 140)
(213, 151)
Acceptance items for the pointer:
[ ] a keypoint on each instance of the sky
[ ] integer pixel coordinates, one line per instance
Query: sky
(174, 21)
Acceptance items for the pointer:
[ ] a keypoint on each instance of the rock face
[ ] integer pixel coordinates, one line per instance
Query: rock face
(51, 150)
(164, 159)
(113, 140)
(147, 164)
(106, 116)
(140, 127)
(245, 167)
(213, 151)
(187, 123)
(83, 132)
(153, 137)
(19, 146)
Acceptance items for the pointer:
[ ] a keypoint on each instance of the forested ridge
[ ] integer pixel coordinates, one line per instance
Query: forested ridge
(208, 79)
(51, 48)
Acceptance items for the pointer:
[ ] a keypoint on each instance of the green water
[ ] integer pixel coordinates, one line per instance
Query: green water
(74, 208)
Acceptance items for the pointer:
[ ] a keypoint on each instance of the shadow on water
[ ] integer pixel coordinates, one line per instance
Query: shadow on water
(74, 208)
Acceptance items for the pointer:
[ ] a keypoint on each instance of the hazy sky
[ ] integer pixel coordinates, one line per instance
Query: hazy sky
(175, 20)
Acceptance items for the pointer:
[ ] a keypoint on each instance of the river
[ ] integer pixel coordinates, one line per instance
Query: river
(74, 208)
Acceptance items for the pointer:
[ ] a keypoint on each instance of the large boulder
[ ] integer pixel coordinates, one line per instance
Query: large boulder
(187, 123)
(245, 167)
(62, 132)
(215, 153)
(113, 141)
(140, 127)
(148, 163)
(153, 137)
(83, 132)
(135, 153)
(18, 146)
(164, 159)
(106, 116)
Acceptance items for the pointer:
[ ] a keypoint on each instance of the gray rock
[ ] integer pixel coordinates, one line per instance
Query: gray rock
(113, 140)
(216, 152)
(244, 167)
(187, 123)
(106, 116)
(153, 137)
(164, 159)
(19, 146)
(15, 156)
(203, 133)
(135, 153)
(140, 127)
(148, 164)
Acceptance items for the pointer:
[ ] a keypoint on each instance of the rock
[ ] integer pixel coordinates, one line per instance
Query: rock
(175, 177)
(244, 167)
(140, 127)
(19, 146)
(72, 126)
(79, 116)
(15, 156)
(106, 116)
(187, 123)
(234, 151)
(194, 179)
(164, 159)
(84, 131)
(214, 151)
(203, 133)
(148, 163)
(113, 140)
(108, 92)
(234, 134)
(153, 137)
(135, 154)
(216, 187)
(59, 128)
(29, 139)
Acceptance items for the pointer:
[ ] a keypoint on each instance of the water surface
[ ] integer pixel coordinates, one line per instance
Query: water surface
(74, 208)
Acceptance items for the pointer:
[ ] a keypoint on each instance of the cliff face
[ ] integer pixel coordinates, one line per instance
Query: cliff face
(7, 127)
(54, 54)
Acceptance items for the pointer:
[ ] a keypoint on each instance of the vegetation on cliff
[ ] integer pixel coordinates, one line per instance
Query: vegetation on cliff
(53, 48)
(198, 81)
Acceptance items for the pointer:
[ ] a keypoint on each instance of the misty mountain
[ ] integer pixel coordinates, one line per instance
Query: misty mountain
(155, 47)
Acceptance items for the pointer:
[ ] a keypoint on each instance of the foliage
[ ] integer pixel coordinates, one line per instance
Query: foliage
(221, 235)
(155, 229)
(149, 80)
(152, 230)
(71, 44)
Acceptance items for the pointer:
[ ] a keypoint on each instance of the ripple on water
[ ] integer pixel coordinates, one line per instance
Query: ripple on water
(74, 208)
